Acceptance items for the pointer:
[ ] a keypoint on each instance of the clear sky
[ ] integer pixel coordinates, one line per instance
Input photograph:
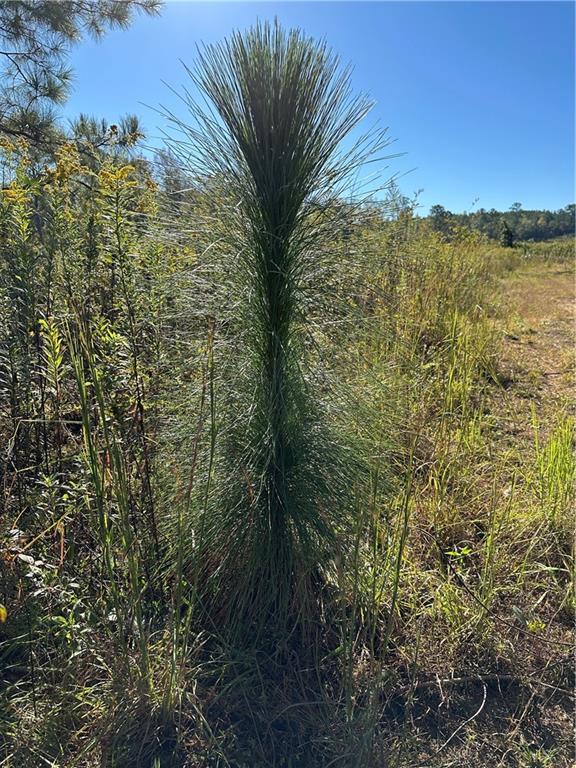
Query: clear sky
(478, 95)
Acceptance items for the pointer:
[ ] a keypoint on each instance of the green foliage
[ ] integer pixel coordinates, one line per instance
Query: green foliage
(36, 39)
(259, 497)
(506, 238)
(273, 524)
(524, 224)
(441, 219)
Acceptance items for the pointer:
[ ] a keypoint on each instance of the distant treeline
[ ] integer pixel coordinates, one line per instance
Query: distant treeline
(515, 224)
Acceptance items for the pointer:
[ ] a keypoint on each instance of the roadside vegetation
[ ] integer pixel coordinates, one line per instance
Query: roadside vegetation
(286, 481)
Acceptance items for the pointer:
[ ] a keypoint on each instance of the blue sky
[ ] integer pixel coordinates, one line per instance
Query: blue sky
(478, 95)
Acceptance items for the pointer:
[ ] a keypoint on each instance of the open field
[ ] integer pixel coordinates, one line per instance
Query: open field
(515, 705)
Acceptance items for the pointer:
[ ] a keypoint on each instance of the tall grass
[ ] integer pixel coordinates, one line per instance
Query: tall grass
(555, 468)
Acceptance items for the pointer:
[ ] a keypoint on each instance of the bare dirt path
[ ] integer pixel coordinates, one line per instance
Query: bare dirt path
(538, 349)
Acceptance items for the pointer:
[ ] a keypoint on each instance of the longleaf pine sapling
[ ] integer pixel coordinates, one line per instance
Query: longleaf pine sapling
(279, 107)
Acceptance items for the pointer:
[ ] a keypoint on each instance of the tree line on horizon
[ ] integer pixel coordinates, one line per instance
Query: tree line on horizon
(509, 226)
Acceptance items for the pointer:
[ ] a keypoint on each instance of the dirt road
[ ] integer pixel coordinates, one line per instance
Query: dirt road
(538, 352)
